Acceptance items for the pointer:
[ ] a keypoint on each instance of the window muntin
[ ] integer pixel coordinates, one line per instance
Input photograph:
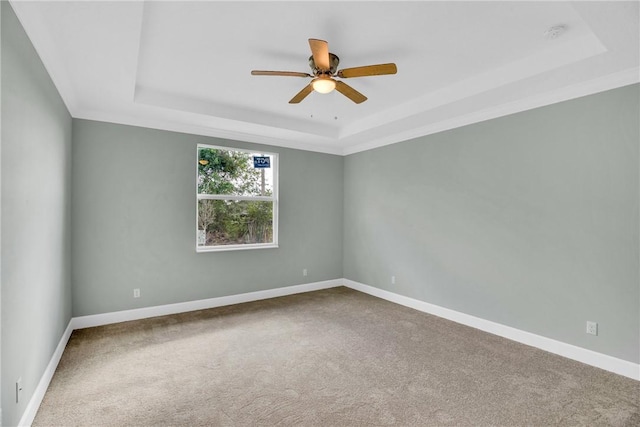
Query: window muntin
(236, 201)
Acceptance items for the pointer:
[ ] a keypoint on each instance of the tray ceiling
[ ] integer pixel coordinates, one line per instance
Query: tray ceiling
(185, 66)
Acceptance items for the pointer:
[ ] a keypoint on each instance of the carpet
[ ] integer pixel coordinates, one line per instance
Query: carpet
(335, 357)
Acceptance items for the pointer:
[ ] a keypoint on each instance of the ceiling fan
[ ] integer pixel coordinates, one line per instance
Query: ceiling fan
(324, 65)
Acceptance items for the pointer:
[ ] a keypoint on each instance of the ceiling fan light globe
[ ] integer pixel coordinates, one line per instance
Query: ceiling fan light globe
(321, 85)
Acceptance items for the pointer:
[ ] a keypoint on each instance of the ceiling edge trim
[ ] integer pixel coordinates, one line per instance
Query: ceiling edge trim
(184, 104)
(197, 130)
(611, 81)
(538, 63)
(578, 90)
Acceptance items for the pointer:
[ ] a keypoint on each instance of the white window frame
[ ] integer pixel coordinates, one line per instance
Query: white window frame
(273, 199)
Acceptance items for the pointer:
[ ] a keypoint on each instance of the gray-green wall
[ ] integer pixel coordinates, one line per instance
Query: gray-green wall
(35, 220)
(134, 222)
(529, 220)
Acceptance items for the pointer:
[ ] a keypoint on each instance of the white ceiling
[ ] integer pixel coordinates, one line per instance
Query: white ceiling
(185, 66)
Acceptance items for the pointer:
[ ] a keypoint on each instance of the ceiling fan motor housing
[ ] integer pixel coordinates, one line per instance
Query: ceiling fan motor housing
(333, 65)
(323, 77)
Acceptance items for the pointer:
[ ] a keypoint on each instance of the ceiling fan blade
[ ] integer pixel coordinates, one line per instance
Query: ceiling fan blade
(279, 73)
(368, 70)
(302, 94)
(350, 92)
(320, 51)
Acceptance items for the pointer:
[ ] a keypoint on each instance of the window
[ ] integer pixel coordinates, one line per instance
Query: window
(237, 197)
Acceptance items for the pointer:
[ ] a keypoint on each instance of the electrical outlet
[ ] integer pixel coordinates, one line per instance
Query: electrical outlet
(18, 389)
(592, 328)
(136, 293)
(304, 272)
(393, 280)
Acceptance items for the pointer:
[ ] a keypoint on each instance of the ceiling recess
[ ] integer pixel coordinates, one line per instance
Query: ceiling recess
(185, 66)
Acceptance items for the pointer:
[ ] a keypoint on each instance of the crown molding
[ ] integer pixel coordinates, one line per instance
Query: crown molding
(578, 90)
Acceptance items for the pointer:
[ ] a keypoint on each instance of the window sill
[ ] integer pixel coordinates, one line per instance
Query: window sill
(235, 247)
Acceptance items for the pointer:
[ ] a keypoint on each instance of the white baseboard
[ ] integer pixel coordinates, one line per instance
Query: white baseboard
(182, 307)
(142, 313)
(34, 403)
(609, 363)
(589, 357)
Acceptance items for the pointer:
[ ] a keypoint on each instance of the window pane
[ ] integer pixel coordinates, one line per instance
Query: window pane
(233, 172)
(230, 222)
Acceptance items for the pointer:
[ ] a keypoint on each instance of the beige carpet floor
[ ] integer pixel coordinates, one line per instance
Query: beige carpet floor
(335, 357)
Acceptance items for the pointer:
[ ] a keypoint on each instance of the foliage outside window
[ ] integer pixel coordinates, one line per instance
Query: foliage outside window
(237, 199)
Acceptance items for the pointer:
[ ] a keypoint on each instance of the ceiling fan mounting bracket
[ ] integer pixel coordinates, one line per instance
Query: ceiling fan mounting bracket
(333, 65)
